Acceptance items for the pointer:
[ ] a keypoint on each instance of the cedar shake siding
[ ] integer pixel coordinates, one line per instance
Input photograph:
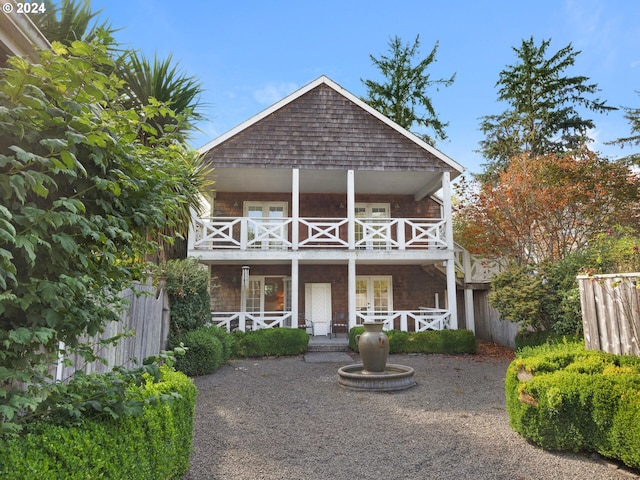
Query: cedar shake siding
(323, 130)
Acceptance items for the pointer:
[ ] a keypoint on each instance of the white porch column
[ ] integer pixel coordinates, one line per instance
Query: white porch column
(447, 211)
(295, 207)
(244, 289)
(351, 292)
(351, 210)
(469, 314)
(294, 292)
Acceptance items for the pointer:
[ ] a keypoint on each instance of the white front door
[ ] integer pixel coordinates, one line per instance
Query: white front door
(318, 306)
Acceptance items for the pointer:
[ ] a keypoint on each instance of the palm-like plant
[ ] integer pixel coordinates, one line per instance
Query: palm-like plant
(161, 81)
(72, 20)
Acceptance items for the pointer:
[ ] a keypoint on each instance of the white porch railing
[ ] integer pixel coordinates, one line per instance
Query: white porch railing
(423, 319)
(246, 233)
(475, 268)
(251, 320)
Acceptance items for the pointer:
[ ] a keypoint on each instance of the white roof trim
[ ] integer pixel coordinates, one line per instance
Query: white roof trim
(326, 81)
(19, 35)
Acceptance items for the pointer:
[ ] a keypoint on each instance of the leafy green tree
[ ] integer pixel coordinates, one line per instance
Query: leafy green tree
(82, 202)
(403, 96)
(544, 115)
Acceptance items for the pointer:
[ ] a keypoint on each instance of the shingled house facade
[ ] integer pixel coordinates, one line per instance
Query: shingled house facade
(324, 215)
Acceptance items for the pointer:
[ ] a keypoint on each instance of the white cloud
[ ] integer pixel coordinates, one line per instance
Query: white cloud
(273, 92)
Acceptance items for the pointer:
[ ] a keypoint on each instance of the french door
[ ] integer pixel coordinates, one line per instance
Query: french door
(374, 294)
(266, 226)
(372, 231)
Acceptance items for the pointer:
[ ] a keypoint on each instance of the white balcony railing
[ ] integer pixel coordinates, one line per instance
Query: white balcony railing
(475, 268)
(245, 233)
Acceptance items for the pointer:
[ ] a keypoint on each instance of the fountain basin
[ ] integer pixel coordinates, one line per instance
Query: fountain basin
(393, 378)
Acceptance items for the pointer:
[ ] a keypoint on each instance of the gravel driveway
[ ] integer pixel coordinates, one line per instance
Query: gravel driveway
(284, 418)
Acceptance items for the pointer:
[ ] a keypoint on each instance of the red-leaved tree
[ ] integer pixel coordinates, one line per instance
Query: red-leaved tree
(543, 207)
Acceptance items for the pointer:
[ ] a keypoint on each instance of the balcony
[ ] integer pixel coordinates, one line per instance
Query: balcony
(248, 233)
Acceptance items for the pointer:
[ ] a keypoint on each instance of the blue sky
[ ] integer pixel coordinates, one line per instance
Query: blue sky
(250, 54)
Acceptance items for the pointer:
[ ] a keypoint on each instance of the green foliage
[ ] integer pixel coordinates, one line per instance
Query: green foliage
(633, 117)
(543, 115)
(66, 21)
(160, 80)
(616, 250)
(433, 341)
(82, 203)
(517, 294)
(574, 399)
(154, 444)
(187, 284)
(403, 97)
(533, 339)
(95, 396)
(547, 297)
(271, 341)
(206, 350)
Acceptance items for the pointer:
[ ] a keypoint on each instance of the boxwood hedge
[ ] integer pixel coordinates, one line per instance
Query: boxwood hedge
(156, 444)
(440, 341)
(564, 397)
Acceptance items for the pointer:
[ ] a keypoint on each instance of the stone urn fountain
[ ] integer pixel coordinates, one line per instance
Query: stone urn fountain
(373, 346)
(373, 373)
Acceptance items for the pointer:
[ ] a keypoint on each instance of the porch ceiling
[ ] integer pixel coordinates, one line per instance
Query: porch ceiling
(327, 181)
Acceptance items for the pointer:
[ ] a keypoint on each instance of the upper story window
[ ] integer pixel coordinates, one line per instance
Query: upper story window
(266, 226)
(372, 228)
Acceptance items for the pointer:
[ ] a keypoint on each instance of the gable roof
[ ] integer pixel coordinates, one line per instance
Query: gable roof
(323, 126)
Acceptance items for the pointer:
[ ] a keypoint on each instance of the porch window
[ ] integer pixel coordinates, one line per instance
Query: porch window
(266, 227)
(268, 294)
(371, 232)
(374, 293)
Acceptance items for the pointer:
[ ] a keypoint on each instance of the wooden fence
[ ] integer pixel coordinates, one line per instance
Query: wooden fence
(611, 312)
(147, 316)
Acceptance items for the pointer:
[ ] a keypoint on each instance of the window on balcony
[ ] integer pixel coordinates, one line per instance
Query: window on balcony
(266, 226)
(372, 229)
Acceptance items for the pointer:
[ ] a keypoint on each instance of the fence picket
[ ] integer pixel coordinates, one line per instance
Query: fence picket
(611, 312)
(147, 316)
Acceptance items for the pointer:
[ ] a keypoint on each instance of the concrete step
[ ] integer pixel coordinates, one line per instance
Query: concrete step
(333, 345)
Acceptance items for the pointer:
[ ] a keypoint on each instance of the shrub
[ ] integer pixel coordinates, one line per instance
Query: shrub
(205, 351)
(568, 398)
(533, 339)
(155, 444)
(188, 290)
(271, 341)
(434, 341)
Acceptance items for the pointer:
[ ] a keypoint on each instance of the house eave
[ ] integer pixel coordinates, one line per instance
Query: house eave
(449, 164)
(19, 35)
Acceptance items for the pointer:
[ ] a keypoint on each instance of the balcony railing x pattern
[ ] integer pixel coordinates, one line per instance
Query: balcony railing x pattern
(246, 233)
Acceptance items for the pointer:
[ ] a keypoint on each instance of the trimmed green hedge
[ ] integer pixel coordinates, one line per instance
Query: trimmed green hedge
(155, 445)
(271, 341)
(208, 348)
(433, 341)
(569, 398)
